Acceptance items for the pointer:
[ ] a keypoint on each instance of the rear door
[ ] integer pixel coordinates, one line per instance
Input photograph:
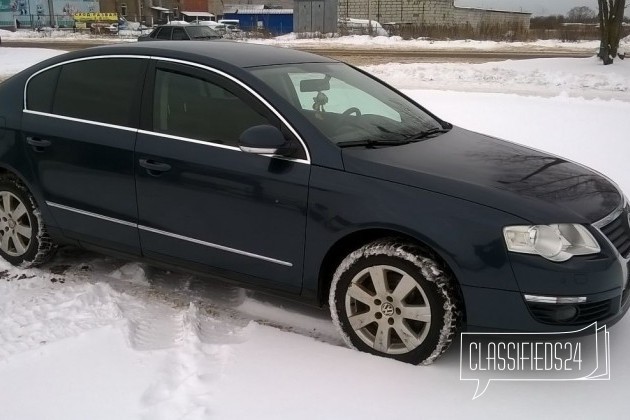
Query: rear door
(80, 126)
(204, 203)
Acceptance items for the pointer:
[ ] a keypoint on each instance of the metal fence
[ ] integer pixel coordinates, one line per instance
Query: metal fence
(39, 21)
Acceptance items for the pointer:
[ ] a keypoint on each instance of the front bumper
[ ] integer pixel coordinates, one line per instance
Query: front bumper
(502, 310)
(597, 286)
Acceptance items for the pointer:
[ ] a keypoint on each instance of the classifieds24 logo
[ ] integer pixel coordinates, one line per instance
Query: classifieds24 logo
(577, 355)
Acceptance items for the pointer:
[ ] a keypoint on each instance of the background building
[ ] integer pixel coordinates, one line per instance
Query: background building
(272, 21)
(430, 13)
(33, 13)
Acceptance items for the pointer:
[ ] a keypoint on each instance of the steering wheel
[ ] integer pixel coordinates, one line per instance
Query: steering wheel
(354, 110)
(345, 117)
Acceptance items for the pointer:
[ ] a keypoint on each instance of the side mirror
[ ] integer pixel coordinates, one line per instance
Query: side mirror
(262, 140)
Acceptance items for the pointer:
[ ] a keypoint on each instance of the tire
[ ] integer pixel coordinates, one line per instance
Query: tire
(391, 299)
(24, 240)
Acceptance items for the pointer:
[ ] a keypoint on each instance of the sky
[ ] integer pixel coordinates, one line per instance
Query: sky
(537, 7)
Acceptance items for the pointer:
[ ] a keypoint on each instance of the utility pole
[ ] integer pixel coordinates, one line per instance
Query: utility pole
(369, 19)
(51, 12)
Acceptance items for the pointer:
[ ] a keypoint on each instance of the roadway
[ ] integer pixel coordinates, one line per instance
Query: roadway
(356, 56)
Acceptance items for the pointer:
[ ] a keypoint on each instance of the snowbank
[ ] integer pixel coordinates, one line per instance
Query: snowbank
(383, 42)
(586, 77)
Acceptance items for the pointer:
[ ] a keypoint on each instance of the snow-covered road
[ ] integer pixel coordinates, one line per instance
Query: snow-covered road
(88, 336)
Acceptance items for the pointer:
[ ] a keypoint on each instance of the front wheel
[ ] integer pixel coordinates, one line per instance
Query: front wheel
(391, 299)
(23, 237)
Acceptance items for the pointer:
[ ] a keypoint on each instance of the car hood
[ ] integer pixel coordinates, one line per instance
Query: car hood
(531, 184)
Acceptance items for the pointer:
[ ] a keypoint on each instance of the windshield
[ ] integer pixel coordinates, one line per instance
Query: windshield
(196, 32)
(346, 105)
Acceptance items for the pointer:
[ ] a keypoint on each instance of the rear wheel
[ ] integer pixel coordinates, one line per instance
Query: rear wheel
(391, 299)
(23, 237)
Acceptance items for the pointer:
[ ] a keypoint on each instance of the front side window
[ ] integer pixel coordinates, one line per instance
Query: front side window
(345, 104)
(191, 107)
(101, 90)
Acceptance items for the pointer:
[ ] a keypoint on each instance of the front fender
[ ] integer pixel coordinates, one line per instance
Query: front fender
(468, 236)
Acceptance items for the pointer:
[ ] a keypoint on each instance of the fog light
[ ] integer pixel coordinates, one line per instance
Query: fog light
(564, 313)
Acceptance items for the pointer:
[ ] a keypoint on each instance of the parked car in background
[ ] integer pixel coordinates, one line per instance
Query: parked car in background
(215, 26)
(231, 25)
(181, 32)
(300, 175)
(361, 27)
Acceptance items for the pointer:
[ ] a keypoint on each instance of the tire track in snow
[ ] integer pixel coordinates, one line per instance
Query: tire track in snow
(195, 321)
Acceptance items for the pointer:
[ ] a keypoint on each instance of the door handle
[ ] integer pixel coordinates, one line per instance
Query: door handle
(37, 143)
(154, 168)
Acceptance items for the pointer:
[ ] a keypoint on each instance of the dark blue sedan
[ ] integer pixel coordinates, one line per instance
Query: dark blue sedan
(301, 175)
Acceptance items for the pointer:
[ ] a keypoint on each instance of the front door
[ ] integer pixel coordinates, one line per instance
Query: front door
(204, 202)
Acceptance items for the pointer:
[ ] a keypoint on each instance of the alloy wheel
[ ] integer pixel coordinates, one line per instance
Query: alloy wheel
(15, 225)
(387, 309)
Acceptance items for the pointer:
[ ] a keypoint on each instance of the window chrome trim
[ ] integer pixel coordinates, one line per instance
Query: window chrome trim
(90, 214)
(252, 92)
(169, 234)
(80, 120)
(216, 246)
(189, 140)
(218, 145)
(153, 133)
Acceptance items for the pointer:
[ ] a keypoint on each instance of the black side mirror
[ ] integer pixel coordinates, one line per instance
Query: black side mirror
(262, 140)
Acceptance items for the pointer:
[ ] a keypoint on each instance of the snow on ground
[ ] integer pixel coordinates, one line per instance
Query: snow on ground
(384, 42)
(13, 60)
(88, 336)
(585, 77)
(55, 35)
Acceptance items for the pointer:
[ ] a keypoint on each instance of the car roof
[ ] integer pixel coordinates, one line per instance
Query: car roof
(232, 53)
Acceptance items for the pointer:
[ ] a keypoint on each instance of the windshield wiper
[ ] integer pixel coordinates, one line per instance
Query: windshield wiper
(427, 134)
(372, 143)
(379, 143)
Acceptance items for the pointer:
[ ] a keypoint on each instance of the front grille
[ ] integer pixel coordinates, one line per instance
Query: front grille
(586, 312)
(618, 232)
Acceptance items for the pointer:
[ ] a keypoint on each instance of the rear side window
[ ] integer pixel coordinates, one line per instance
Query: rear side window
(165, 33)
(41, 90)
(102, 90)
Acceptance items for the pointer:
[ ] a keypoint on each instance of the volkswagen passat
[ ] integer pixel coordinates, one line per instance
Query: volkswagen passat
(298, 174)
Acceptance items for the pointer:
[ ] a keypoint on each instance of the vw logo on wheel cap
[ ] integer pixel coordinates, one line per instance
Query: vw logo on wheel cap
(387, 309)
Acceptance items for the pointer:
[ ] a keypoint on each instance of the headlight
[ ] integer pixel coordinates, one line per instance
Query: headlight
(554, 242)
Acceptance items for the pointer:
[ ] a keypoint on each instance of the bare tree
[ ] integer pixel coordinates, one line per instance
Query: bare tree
(610, 20)
(581, 14)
